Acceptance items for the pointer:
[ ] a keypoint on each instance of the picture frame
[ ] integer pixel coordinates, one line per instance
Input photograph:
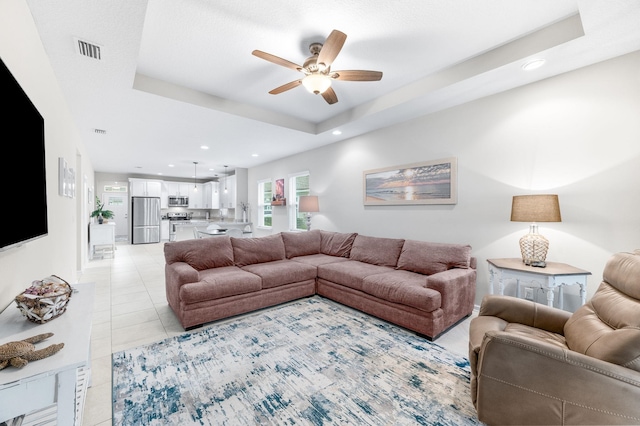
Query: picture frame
(428, 182)
(278, 197)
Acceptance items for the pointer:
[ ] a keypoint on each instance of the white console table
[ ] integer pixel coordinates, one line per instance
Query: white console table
(555, 275)
(101, 235)
(53, 387)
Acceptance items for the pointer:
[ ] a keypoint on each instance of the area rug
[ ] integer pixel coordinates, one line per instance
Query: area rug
(309, 362)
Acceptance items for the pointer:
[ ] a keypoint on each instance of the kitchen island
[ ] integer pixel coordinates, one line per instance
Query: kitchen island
(184, 230)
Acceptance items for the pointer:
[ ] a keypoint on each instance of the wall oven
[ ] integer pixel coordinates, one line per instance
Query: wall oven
(178, 201)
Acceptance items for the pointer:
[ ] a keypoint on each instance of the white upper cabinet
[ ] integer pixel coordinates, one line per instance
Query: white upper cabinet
(181, 189)
(227, 190)
(211, 195)
(145, 188)
(196, 197)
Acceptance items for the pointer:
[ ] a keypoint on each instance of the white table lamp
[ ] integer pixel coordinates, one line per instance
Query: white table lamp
(308, 204)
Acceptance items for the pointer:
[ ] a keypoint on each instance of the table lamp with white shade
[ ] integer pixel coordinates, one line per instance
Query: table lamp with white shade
(533, 209)
(308, 204)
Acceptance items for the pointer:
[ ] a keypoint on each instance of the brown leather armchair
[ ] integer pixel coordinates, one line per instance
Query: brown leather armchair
(533, 364)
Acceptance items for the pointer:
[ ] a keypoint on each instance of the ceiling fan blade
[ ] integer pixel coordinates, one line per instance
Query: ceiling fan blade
(276, 60)
(331, 47)
(356, 75)
(286, 87)
(330, 96)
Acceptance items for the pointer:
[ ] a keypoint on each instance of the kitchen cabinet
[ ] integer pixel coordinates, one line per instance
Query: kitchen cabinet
(228, 197)
(211, 195)
(196, 197)
(145, 188)
(181, 189)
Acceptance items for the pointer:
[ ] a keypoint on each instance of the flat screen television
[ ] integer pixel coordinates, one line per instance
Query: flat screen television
(23, 172)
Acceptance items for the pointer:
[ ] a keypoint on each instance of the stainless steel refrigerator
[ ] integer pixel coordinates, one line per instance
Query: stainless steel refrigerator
(145, 213)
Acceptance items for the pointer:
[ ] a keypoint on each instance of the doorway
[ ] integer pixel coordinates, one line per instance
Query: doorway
(118, 204)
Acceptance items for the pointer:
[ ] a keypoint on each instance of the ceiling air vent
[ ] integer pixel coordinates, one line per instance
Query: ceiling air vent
(88, 49)
(100, 131)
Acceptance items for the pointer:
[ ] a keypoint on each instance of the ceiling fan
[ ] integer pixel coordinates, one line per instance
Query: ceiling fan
(317, 68)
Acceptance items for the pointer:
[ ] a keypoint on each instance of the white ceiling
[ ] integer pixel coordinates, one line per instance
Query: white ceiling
(176, 75)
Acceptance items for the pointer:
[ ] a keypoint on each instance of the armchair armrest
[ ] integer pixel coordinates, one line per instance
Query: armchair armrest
(527, 312)
(522, 380)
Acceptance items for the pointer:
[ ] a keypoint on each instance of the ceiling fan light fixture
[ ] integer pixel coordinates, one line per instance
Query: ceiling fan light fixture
(316, 83)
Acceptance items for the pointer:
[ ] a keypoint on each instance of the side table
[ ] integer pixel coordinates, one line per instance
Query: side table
(55, 385)
(555, 275)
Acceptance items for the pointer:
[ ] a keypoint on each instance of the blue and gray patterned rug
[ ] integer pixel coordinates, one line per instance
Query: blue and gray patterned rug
(309, 362)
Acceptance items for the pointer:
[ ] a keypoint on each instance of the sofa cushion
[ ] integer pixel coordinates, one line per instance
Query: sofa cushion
(202, 253)
(301, 243)
(350, 273)
(430, 258)
(247, 251)
(281, 272)
(403, 287)
(219, 283)
(336, 243)
(376, 250)
(319, 259)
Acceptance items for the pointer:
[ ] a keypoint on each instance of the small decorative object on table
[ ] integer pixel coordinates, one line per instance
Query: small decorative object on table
(18, 354)
(45, 300)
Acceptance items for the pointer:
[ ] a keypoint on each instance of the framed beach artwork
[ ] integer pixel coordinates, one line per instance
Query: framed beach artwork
(431, 182)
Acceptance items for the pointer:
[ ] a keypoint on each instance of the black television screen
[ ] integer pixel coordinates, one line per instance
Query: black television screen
(23, 130)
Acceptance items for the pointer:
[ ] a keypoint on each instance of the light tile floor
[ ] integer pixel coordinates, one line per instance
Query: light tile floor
(131, 310)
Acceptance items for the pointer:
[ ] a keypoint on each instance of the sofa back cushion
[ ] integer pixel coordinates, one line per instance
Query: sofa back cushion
(376, 250)
(301, 243)
(202, 253)
(607, 327)
(430, 258)
(336, 243)
(247, 251)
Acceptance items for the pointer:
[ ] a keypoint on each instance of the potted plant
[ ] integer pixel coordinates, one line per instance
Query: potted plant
(100, 213)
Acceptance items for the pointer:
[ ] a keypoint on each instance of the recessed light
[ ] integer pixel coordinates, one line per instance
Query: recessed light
(336, 132)
(204, 147)
(254, 155)
(171, 165)
(533, 64)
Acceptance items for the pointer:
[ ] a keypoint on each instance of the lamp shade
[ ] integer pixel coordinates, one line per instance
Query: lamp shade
(308, 204)
(535, 208)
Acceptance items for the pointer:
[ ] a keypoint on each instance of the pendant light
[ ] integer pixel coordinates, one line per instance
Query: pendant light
(195, 187)
(225, 179)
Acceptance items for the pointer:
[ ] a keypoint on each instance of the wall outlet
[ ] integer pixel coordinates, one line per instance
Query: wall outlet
(528, 293)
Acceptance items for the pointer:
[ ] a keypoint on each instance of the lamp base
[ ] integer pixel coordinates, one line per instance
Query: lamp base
(308, 221)
(534, 248)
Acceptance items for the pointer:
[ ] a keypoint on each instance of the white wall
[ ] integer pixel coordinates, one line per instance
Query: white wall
(63, 251)
(576, 135)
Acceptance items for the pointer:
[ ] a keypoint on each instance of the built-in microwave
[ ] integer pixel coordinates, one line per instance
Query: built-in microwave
(178, 201)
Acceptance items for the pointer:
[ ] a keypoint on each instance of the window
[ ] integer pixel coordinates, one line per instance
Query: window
(265, 193)
(298, 185)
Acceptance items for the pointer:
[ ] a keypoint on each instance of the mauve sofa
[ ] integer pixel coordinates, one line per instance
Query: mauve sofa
(425, 287)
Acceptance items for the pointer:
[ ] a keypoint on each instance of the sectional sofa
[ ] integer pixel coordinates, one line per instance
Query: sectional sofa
(425, 287)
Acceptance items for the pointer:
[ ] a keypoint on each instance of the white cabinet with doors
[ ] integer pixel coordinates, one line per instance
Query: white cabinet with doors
(145, 187)
(179, 189)
(211, 195)
(227, 191)
(196, 196)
